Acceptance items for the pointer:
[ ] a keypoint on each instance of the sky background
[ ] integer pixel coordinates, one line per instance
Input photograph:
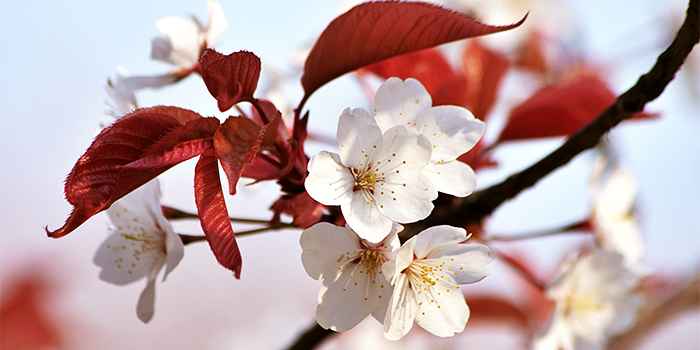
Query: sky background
(56, 57)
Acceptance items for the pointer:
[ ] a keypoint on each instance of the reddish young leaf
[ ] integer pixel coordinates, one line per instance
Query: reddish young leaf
(531, 56)
(375, 31)
(237, 142)
(230, 79)
(483, 69)
(213, 214)
(560, 109)
(98, 178)
(478, 157)
(427, 66)
(180, 144)
(496, 309)
(305, 211)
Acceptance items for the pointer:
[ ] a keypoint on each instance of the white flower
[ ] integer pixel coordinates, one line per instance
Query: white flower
(351, 269)
(615, 225)
(122, 89)
(451, 130)
(141, 243)
(376, 178)
(185, 39)
(425, 276)
(594, 300)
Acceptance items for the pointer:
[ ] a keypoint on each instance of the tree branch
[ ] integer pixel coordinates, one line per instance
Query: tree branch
(311, 338)
(482, 203)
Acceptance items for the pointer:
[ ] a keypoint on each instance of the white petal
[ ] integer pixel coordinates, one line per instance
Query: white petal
(359, 138)
(174, 250)
(349, 299)
(363, 216)
(183, 36)
(406, 201)
(400, 102)
(403, 154)
(403, 258)
(323, 244)
(121, 260)
(146, 305)
(466, 263)
(141, 82)
(617, 197)
(437, 236)
(329, 182)
(443, 311)
(217, 22)
(454, 177)
(451, 130)
(402, 310)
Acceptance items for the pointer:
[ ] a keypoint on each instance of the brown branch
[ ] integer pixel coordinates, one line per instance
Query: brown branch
(311, 338)
(482, 203)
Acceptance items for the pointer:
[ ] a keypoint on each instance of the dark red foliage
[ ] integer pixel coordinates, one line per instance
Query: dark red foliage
(483, 70)
(99, 177)
(374, 31)
(213, 214)
(230, 79)
(560, 109)
(305, 211)
(238, 141)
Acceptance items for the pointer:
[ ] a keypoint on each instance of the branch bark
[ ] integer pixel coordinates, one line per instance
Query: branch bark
(482, 203)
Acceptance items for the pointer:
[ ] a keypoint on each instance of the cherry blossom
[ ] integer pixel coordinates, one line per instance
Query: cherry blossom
(351, 269)
(594, 300)
(376, 179)
(452, 131)
(615, 224)
(186, 39)
(426, 275)
(140, 244)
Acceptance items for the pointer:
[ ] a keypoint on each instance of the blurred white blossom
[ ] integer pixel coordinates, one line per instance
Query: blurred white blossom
(185, 39)
(594, 296)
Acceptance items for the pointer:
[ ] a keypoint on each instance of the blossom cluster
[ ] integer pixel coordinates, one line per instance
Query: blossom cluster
(391, 165)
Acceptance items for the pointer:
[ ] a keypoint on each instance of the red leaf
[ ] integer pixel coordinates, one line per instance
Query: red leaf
(496, 309)
(483, 69)
(180, 144)
(305, 211)
(237, 142)
(98, 178)
(478, 157)
(375, 31)
(179, 153)
(213, 214)
(26, 319)
(560, 109)
(230, 79)
(427, 66)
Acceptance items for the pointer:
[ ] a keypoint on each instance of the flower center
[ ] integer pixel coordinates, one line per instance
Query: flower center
(582, 303)
(364, 179)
